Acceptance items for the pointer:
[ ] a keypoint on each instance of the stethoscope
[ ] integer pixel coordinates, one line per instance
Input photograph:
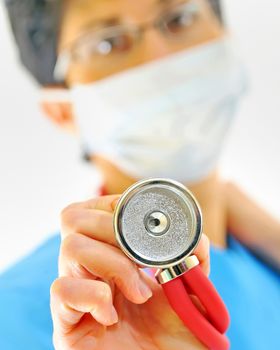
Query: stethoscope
(158, 224)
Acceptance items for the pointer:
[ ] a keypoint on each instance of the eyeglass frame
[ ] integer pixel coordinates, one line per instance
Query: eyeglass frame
(65, 57)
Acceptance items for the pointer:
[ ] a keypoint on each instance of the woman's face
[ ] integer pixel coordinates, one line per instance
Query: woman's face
(104, 37)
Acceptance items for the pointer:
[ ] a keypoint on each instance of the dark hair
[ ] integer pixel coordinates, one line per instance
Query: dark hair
(35, 25)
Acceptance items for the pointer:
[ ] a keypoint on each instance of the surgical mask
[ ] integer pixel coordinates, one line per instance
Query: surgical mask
(166, 118)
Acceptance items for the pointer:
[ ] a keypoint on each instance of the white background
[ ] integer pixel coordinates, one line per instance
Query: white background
(40, 168)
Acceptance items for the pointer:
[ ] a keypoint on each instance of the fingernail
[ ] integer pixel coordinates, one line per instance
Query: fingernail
(114, 315)
(145, 290)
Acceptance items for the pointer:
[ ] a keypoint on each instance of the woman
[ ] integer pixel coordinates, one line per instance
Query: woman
(161, 75)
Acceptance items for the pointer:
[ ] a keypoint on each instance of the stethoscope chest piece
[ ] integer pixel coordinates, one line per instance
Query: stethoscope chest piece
(158, 223)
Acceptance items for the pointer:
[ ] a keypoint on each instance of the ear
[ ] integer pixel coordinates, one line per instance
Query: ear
(56, 106)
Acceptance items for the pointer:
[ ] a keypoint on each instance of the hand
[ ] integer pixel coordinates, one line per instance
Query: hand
(102, 300)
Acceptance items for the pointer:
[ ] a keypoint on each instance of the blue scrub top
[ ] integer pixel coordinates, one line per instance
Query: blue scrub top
(250, 289)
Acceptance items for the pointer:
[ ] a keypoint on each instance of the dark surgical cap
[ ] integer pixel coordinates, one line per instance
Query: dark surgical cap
(35, 25)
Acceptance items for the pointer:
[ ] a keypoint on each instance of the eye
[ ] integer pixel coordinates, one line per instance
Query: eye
(117, 43)
(181, 19)
(113, 40)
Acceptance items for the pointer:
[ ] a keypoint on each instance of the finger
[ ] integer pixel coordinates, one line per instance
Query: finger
(98, 224)
(202, 253)
(106, 203)
(104, 261)
(95, 223)
(71, 298)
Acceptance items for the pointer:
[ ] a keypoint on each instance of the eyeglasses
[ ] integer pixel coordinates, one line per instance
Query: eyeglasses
(114, 41)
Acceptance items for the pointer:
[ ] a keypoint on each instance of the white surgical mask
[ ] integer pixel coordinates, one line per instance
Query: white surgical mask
(166, 118)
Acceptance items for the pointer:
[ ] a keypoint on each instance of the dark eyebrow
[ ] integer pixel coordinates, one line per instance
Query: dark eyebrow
(95, 24)
(162, 2)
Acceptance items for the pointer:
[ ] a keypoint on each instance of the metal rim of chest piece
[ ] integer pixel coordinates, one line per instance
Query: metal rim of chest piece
(157, 223)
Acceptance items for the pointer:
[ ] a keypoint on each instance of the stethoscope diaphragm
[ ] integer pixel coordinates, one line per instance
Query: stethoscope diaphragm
(157, 222)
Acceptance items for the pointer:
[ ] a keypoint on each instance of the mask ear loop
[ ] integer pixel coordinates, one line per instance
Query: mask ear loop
(208, 329)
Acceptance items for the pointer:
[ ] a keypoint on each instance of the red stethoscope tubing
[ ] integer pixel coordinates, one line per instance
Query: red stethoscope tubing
(201, 286)
(209, 328)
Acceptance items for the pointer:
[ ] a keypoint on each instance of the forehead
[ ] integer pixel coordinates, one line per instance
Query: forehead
(78, 14)
(113, 4)
(107, 8)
